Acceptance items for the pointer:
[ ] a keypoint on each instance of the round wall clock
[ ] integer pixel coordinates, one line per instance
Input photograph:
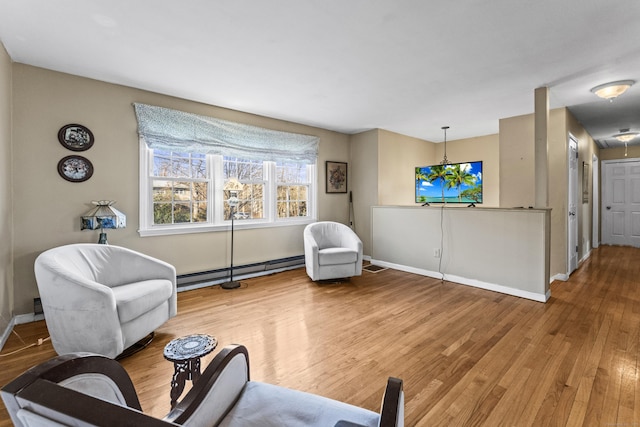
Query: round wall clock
(75, 168)
(75, 137)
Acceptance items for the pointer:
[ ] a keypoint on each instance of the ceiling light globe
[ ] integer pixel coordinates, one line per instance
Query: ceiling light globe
(612, 90)
(626, 136)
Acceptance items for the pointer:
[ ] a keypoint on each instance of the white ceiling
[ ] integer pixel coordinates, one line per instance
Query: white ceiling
(408, 66)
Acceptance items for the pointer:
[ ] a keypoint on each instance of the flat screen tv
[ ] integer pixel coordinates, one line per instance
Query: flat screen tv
(452, 183)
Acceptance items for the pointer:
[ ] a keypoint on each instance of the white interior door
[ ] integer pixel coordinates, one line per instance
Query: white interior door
(572, 221)
(621, 202)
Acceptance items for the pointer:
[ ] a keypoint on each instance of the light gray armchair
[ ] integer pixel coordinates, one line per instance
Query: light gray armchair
(102, 298)
(85, 389)
(331, 251)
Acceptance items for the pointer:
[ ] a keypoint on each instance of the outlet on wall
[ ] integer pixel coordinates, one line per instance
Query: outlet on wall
(436, 252)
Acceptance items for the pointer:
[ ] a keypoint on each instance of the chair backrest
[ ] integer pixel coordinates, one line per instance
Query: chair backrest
(392, 412)
(329, 234)
(105, 264)
(216, 391)
(85, 389)
(52, 393)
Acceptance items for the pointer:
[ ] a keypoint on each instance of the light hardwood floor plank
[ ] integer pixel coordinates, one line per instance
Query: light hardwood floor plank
(468, 357)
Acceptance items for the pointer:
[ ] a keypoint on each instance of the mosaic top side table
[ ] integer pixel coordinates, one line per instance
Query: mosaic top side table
(185, 353)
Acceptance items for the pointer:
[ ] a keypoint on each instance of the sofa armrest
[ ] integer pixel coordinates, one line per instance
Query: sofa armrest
(392, 412)
(216, 391)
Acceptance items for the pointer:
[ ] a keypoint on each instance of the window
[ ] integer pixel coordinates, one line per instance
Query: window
(186, 160)
(184, 192)
(251, 174)
(180, 188)
(293, 188)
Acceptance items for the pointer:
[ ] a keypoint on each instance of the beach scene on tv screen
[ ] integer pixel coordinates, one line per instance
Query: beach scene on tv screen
(453, 183)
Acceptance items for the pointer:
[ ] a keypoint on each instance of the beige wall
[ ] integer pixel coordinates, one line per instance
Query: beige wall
(517, 180)
(383, 165)
(557, 156)
(633, 152)
(364, 182)
(516, 148)
(484, 148)
(517, 173)
(398, 157)
(6, 215)
(48, 208)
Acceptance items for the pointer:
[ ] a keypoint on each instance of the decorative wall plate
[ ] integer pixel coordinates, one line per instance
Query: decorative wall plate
(75, 168)
(75, 137)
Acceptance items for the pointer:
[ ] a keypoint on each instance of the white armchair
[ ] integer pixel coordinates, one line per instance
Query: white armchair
(331, 251)
(87, 389)
(102, 298)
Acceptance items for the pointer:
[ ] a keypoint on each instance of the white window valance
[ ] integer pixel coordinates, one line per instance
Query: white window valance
(178, 131)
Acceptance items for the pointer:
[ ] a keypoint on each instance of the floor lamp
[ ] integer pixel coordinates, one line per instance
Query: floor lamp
(233, 186)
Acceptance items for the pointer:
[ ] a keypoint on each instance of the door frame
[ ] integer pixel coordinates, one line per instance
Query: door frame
(605, 164)
(595, 191)
(572, 200)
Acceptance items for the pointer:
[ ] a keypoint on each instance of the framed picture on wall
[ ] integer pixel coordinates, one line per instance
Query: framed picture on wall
(75, 168)
(75, 137)
(336, 177)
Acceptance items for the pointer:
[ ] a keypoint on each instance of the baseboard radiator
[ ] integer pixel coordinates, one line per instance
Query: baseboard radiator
(214, 277)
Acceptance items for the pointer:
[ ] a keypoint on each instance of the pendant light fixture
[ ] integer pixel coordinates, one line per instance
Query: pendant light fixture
(625, 136)
(445, 161)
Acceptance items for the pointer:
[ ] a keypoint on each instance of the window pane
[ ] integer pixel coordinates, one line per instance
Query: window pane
(293, 209)
(161, 166)
(257, 209)
(181, 213)
(181, 168)
(161, 191)
(303, 192)
(162, 213)
(282, 192)
(230, 170)
(257, 171)
(200, 212)
(291, 173)
(200, 191)
(292, 201)
(199, 168)
(182, 191)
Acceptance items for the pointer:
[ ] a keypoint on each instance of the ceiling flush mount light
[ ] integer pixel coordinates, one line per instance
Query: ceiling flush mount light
(612, 90)
(625, 135)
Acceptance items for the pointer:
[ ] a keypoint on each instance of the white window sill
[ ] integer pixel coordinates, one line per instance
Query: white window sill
(208, 228)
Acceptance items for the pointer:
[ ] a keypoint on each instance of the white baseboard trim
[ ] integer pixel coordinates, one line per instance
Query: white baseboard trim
(5, 334)
(560, 276)
(585, 257)
(468, 282)
(18, 320)
(27, 318)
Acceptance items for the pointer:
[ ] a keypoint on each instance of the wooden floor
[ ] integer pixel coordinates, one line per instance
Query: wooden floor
(467, 356)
